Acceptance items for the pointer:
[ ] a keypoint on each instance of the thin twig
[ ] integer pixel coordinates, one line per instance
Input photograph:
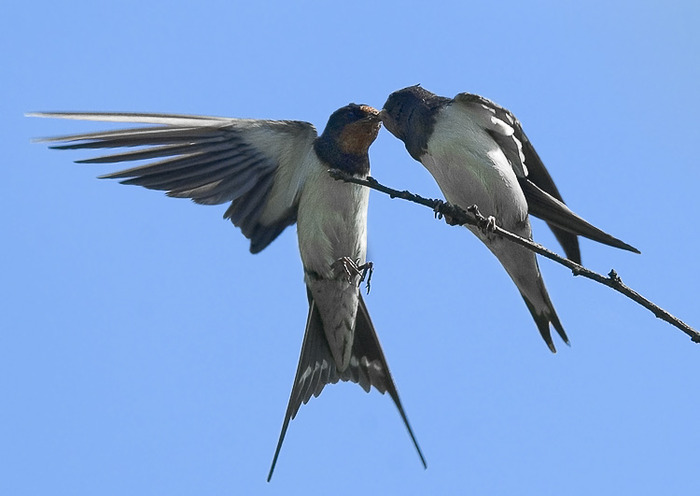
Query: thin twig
(456, 215)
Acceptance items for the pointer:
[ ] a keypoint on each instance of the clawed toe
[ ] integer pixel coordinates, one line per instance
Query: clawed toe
(352, 268)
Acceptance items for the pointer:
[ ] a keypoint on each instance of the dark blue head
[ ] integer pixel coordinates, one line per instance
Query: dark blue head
(409, 114)
(347, 137)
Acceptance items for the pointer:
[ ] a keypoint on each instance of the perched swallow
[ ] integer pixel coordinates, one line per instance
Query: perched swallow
(478, 154)
(274, 173)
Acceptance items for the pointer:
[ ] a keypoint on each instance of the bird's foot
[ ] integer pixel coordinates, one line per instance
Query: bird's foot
(367, 271)
(439, 208)
(486, 224)
(490, 224)
(352, 268)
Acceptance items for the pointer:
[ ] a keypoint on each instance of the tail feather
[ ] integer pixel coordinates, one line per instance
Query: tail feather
(374, 365)
(523, 269)
(368, 367)
(544, 316)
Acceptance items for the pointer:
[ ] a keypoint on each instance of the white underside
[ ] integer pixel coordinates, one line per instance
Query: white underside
(471, 169)
(332, 224)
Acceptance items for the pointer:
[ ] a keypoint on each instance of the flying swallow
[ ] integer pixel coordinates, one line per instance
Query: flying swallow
(478, 154)
(274, 173)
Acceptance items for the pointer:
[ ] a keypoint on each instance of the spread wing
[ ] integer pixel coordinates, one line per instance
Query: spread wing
(259, 166)
(543, 197)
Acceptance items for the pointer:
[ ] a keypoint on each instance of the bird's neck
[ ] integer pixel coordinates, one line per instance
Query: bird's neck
(356, 164)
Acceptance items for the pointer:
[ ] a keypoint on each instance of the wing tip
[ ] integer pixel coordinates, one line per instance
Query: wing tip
(632, 249)
(615, 243)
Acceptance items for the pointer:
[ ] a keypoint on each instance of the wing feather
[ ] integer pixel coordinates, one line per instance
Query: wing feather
(259, 166)
(527, 165)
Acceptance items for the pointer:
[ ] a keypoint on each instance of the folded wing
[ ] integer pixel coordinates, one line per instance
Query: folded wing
(543, 198)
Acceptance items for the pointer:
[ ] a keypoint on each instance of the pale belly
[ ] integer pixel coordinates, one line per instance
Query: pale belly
(471, 169)
(332, 224)
(467, 178)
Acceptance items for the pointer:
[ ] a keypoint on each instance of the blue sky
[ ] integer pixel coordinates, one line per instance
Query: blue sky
(144, 351)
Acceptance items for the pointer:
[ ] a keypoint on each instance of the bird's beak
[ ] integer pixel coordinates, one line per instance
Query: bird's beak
(382, 115)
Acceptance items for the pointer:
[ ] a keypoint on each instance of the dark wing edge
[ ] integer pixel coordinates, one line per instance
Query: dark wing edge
(211, 160)
(539, 175)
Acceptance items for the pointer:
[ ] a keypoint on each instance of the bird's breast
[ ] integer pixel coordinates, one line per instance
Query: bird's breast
(470, 168)
(331, 223)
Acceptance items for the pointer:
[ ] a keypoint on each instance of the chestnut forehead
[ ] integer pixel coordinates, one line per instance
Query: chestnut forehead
(369, 110)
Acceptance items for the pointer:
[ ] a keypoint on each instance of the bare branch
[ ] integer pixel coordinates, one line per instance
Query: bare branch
(455, 215)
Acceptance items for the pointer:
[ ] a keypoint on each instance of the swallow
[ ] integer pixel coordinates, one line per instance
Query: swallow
(274, 174)
(478, 154)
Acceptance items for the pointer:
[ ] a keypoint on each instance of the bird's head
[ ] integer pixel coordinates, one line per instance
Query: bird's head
(354, 128)
(399, 107)
(347, 137)
(409, 114)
